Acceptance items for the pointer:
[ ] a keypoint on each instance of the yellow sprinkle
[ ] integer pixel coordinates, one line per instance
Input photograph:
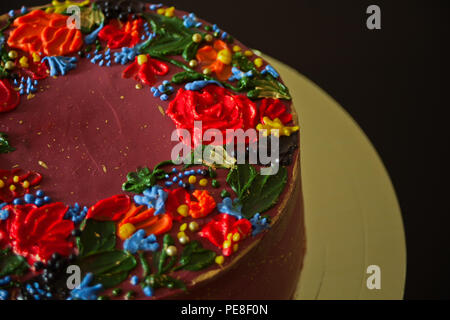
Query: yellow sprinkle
(236, 237)
(183, 210)
(122, 97)
(161, 11)
(138, 86)
(2, 184)
(192, 179)
(237, 49)
(229, 236)
(12, 187)
(220, 260)
(248, 53)
(16, 179)
(104, 168)
(235, 247)
(183, 227)
(142, 58)
(193, 226)
(24, 62)
(161, 109)
(43, 164)
(203, 182)
(126, 231)
(258, 62)
(181, 235)
(26, 184)
(30, 96)
(36, 57)
(227, 244)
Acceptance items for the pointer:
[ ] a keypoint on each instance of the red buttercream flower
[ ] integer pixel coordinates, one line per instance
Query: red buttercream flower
(9, 98)
(222, 230)
(16, 183)
(205, 205)
(145, 70)
(118, 34)
(216, 107)
(175, 199)
(39, 31)
(111, 209)
(38, 232)
(274, 108)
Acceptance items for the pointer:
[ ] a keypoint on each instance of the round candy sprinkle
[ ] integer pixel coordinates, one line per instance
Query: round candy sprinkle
(215, 184)
(197, 38)
(207, 71)
(203, 182)
(10, 65)
(193, 226)
(183, 227)
(236, 237)
(209, 38)
(235, 247)
(193, 63)
(192, 179)
(184, 240)
(220, 260)
(171, 251)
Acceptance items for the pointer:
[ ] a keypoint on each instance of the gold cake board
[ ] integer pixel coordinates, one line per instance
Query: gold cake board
(353, 218)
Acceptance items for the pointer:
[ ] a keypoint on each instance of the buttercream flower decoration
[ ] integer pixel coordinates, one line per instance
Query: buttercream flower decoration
(36, 233)
(39, 31)
(145, 69)
(276, 128)
(15, 183)
(9, 98)
(217, 59)
(118, 34)
(217, 108)
(273, 109)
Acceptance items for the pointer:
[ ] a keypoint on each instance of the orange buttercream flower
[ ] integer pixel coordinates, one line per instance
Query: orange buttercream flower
(43, 32)
(217, 59)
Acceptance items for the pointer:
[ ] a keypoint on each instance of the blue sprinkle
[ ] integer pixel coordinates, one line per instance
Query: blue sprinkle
(134, 280)
(162, 88)
(148, 291)
(175, 179)
(21, 92)
(169, 184)
(29, 198)
(15, 82)
(164, 97)
(11, 13)
(40, 193)
(200, 171)
(108, 64)
(181, 183)
(157, 94)
(167, 176)
(174, 170)
(181, 175)
(101, 63)
(39, 202)
(17, 201)
(88, 56)
(47, 199)
(23, 10)
(165, 83)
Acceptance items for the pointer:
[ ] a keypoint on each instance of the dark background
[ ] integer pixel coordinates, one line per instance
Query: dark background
(392, 81)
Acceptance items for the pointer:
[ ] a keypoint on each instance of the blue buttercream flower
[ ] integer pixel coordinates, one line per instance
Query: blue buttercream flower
(231, 208)
(139, 242)
(238, 74)
(190, 21)
(259, 224)
(76, 213)
(153, 198)
(270, 70)
(84, 291)
(200, 84)
(60, 65)
(129, 54)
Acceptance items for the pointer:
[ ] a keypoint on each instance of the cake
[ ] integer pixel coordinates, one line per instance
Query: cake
(110, 188)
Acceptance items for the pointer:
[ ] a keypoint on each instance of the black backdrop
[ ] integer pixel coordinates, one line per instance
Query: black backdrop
(392, 81)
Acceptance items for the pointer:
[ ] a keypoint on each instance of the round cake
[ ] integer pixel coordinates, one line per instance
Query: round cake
(144, 154)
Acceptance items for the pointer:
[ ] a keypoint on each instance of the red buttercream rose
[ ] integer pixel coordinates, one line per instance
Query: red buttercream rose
(216, 107)
(273, 109)
(37, 232)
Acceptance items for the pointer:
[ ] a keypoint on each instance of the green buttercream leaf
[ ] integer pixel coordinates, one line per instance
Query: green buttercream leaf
(263, 193)
(5, 147)
(11, 264)
(109, 268)
(267, 87)
(172, 37)
(164, 263)
(243, 63)
(240, 178)
(96, 237)
(164, 281)
(139, 181)
(195, 257)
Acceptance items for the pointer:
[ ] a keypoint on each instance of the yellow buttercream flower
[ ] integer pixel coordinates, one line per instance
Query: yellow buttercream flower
(276, 128)
(61, 7)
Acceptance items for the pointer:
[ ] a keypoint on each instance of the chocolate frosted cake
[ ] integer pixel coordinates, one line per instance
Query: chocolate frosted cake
(119, 174)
